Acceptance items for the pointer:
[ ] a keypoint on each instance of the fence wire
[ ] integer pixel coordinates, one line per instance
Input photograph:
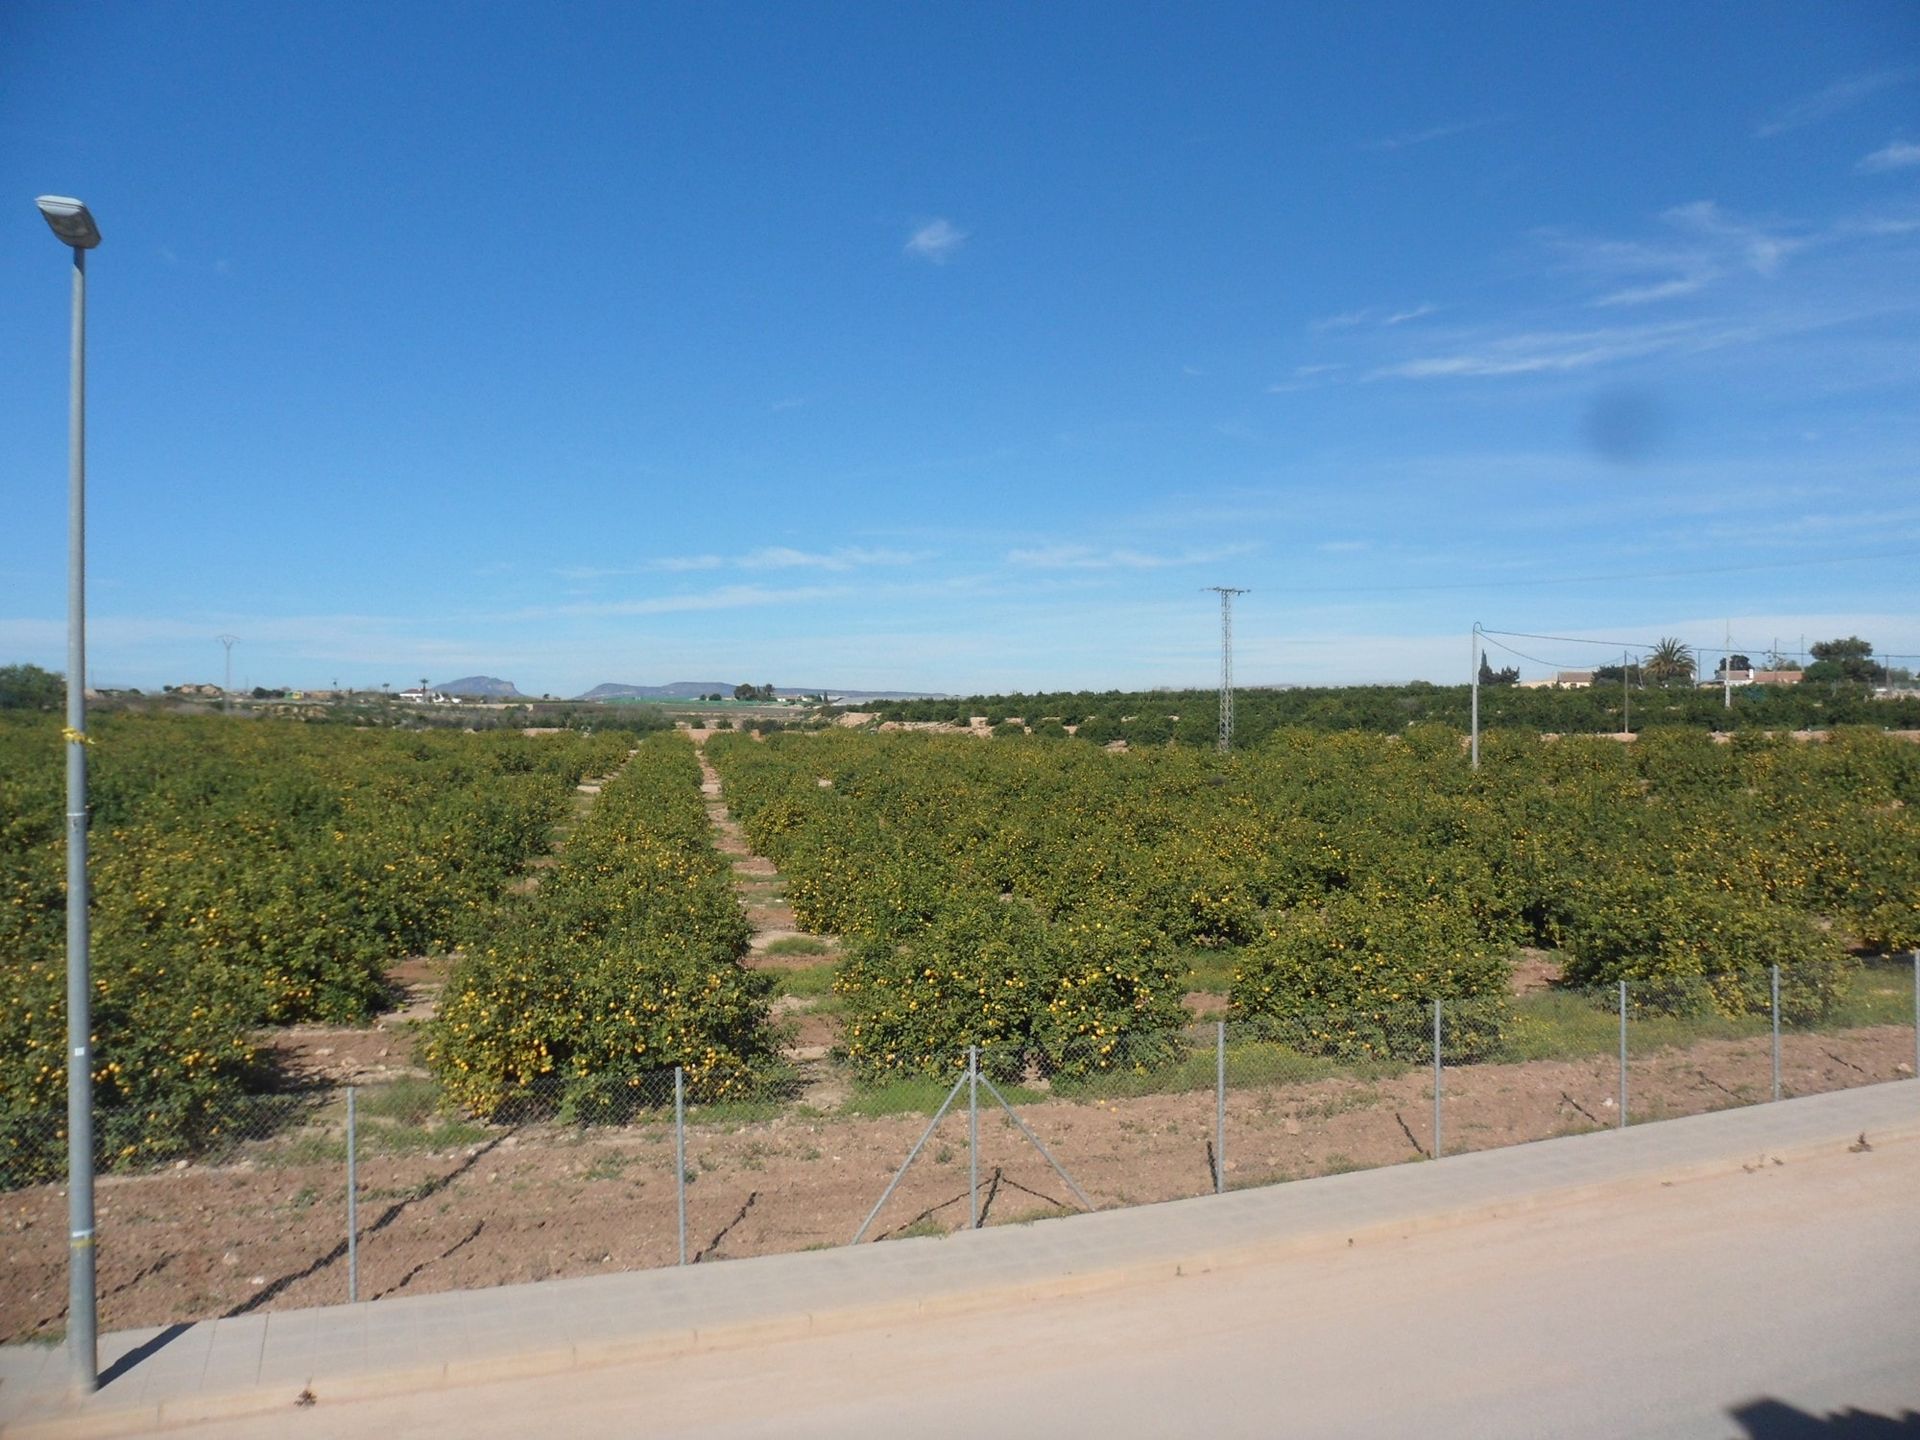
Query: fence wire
(247, 1204)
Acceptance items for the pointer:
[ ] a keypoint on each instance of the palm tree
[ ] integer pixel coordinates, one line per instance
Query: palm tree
(1671, 663)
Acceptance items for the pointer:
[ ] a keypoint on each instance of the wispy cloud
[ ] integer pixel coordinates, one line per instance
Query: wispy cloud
(1381, 316)
(1411, 138)
(1896, 155)
(1702, 243)
(766, 557)
(1090, 557)
(726, 597)
(1549, 352)
(1305, 377)
(1821, 104)
(937, 241)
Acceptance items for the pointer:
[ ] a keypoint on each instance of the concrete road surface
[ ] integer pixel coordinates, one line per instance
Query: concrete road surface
(1723, 1307)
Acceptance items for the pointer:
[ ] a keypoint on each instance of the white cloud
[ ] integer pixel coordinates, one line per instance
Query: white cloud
(1704, 244)
(1658, 290)
(1552, 352)
(1305, 377)
(727, 597)
(1412, 138)
(1089, 557)
(766, 557)
(936, 241)
(1811, 109)
(1350, 320)
(1896, 155)
(849, 557)
(1355, 319)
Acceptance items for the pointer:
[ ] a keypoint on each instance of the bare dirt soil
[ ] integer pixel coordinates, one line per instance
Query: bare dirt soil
(529, 1203)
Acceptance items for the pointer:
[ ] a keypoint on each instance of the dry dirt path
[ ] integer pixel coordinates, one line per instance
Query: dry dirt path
(386, 1049)
(778, 943)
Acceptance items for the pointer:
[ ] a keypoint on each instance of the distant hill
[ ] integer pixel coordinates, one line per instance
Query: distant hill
(678, 690)
(485, 687)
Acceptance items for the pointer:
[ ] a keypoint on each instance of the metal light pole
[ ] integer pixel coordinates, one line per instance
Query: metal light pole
(1726, 668)
(1475, 671)
(74, 225)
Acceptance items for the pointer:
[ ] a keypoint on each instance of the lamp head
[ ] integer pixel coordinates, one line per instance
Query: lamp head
(71, 221)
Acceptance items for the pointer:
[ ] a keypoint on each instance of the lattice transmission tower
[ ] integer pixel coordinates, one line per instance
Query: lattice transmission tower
(1226, 594)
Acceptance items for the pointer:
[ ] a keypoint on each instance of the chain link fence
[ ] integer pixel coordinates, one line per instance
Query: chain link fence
(333, 1194)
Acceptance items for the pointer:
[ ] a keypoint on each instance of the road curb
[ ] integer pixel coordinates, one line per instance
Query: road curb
(1175, 1262)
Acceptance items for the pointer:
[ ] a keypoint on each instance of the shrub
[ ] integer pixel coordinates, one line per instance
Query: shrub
(914, 1005)
(625, 965)
(1115, 997)
(1373, 966)
(1689, 948)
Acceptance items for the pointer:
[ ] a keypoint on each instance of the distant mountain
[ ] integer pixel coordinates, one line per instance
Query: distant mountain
(678, 690)
(485, 687)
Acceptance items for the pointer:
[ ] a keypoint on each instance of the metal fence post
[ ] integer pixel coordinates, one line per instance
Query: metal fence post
(973, 1137)
(1220, 1108)
(1438, 1079)
(1775, 980)
(353, 1201)
(680, 1153)
(1623, 1054)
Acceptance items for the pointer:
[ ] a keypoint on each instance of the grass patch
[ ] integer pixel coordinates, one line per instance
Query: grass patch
(1571, 1025)
(1210, 971)
(798, 945)
(608, 1165)
(1251, 1064)
(1042, 1212)
(919, 1229)
(413, 1100)
(1881, 994)
(922, 1096)
(814, 982)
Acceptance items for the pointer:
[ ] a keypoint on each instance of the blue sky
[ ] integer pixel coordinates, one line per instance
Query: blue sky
(957, 348)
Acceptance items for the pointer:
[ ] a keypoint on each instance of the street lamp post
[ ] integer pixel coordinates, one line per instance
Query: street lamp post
(73, 223)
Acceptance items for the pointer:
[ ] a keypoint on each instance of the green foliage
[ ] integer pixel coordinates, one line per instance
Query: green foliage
(970, 977)
(1689, 948)
(1092, 993)
(242, 874)
(1371, 965)
(1391, 854)
(28, 687)
(1849, 660)
(626, 964)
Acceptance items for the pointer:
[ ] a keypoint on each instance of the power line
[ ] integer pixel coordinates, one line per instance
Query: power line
(1654, 645)
(1758, 565)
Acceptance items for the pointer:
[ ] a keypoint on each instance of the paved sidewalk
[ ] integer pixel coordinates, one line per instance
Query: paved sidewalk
(257, 1364)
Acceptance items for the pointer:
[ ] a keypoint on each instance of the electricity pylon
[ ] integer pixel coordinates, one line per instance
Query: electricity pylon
(226, 693)
(1226, 594)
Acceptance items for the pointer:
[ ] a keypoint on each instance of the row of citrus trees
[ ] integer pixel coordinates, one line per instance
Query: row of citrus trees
(1351, 874)
(244, 874)
(623, 965)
